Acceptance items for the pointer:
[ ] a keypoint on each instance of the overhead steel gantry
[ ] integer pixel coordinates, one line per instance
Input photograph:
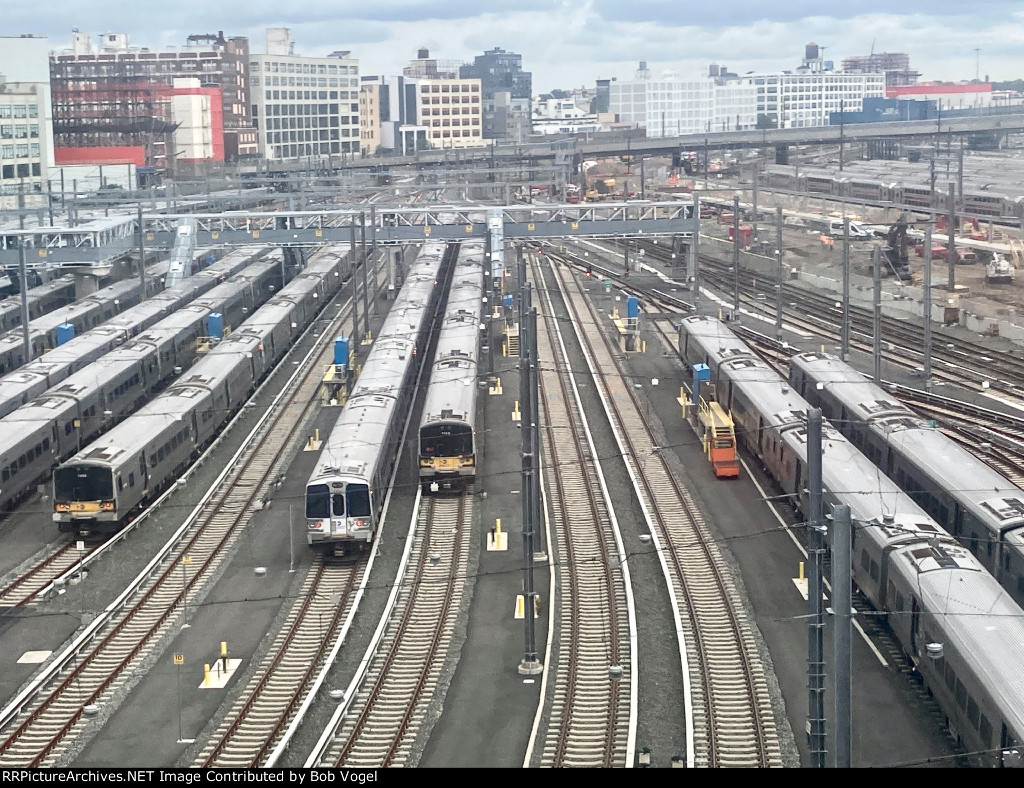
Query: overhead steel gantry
(96, 243)
(407, 224)
(92, 244)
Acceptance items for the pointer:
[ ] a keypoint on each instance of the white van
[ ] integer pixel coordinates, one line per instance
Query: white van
(835, 229)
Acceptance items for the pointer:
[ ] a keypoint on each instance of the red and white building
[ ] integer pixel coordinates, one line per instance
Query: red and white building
(947, 96)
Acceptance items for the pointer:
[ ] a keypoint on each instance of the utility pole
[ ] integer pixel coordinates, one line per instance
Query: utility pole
(951, 235)
(844, 350)
(23, 275)
(366, 288)
(693, 264)
(842, 653)
(142, 250)
(842, 123)
(815, 608)
(735, 257)
(876, 333)
(778, 253)
(927, 372)
(353, 275)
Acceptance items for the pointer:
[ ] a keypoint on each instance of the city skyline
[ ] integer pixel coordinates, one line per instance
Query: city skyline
(581, 42)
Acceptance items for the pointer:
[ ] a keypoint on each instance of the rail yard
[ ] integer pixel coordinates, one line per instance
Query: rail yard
(434, 498)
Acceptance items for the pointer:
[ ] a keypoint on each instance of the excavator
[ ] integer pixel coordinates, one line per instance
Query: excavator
(895, 249)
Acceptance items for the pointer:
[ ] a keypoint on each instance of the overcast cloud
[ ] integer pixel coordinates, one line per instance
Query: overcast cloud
(571, 44)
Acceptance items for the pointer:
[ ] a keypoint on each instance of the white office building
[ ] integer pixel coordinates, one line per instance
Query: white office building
(304, 106)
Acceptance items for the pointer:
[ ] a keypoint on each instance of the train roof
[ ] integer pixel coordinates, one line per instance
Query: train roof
(979, 620)
(992, 496)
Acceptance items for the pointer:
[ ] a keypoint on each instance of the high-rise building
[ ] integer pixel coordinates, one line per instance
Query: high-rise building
(507, 93)
(895, 66)
(449, 107)
(114, 95)
(23, 165)
(304, 106)
(390, 122)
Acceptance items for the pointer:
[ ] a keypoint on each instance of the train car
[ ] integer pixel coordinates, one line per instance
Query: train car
(40, 300)
(46, 331)
(34, 378)
(447, 432)
(91, 400)
(107, 483)
(957, 625)
(971, 500)
(348, 486)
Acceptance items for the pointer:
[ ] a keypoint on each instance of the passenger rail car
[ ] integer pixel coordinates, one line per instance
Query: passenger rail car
(347, 488)
(971, 500)
(447, 434)
(82, 315)
(108, 482)
(42, 299)
(34, 378)
(933, 590)
(67, 416)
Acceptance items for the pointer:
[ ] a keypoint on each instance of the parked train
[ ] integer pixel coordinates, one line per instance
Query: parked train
(447, 433)
(108, 482)
(961, 629)
(348, 486)
(57, 424)
(968, 498)
(33, 379)
(920, 196)
(82, 315)
(40, 300)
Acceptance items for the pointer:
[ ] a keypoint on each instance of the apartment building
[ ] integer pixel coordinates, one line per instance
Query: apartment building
(304, 106)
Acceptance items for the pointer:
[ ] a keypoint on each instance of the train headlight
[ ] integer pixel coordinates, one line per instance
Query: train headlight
(107, 506)
(316, 526)
(62, 507)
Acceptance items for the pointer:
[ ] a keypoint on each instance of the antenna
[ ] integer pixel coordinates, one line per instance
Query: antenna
(977, 64)
(873, 40)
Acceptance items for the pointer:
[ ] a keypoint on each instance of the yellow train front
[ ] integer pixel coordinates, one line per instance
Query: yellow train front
(447, 455)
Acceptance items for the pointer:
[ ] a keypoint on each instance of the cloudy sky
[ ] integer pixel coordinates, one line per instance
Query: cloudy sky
(570, 43)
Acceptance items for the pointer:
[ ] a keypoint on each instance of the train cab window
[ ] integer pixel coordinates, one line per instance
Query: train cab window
(899, 601)
(131, 479)
(357, 496)
(338, 504)
(5, 474)
(318, 501)
(865, 560)
(874, 571)
(120, 483)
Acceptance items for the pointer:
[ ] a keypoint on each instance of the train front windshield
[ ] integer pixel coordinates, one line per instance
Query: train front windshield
(321, 503)
(446, 440)
(83, 483)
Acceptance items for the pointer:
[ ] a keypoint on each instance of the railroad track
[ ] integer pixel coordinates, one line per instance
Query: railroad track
(732, 719)
(56, 709)
(55, 561)
(592, 717)
(382, 718)
(258, 717)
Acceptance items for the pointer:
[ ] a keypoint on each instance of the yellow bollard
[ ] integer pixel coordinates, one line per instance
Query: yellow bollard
(224, 654)
(497, 529)
(801, 571)
(206, 675)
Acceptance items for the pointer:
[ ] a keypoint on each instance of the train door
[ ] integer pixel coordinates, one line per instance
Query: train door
(915, 622)
(958, 520)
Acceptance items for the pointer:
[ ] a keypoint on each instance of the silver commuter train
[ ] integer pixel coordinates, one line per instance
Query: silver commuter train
(34, 378)
(447, 433)
(113, 478)
(347, 488)
(930, 587)
(60, 421)
(41, 299)
(969, 498)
